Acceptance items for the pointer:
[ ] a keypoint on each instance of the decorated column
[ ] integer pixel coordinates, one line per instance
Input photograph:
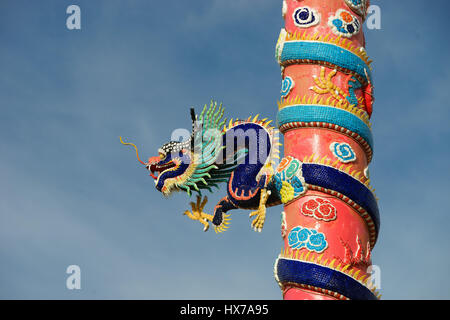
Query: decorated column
(330, 224)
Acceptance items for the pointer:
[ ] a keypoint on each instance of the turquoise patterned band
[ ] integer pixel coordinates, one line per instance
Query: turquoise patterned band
(319, 113)
(325, 53)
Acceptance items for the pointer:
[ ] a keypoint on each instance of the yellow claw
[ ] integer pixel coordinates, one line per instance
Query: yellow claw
(198, 214)
(258, 222)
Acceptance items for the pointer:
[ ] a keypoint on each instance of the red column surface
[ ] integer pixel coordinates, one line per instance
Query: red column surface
(349, 236)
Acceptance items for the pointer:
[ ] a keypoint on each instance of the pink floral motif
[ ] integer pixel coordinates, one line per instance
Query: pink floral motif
(320, 209)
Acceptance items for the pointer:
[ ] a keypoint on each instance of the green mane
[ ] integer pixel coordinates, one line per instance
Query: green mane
(207, 147)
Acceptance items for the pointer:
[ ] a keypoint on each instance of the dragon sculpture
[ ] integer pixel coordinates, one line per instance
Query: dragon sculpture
(331, 220)
(241, 154)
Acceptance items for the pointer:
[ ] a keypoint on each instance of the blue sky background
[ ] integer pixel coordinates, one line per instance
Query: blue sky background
(70, 193)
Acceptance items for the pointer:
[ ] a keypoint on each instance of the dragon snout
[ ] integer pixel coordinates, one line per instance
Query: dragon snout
(152, 166)
(155, 165)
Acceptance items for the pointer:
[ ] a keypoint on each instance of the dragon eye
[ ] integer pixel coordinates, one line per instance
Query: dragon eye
(162, 155)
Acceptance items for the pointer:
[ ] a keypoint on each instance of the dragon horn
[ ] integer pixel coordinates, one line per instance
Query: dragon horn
(194, 119)
(131, 144)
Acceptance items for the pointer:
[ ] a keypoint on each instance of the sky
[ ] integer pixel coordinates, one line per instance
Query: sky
(71, 194)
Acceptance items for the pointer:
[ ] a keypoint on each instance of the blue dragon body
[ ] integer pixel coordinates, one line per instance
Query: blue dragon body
(240, 154)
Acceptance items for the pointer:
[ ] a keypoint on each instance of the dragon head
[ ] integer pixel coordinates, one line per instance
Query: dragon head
(187, 166)
(170, 167)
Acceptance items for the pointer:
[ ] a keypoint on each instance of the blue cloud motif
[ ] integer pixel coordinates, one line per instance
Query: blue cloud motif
(310, 239)
(278, 181)
(298, 237)
(305, 17)
(343, 151)
(297, 184)
(317, 242)
(286, 86)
